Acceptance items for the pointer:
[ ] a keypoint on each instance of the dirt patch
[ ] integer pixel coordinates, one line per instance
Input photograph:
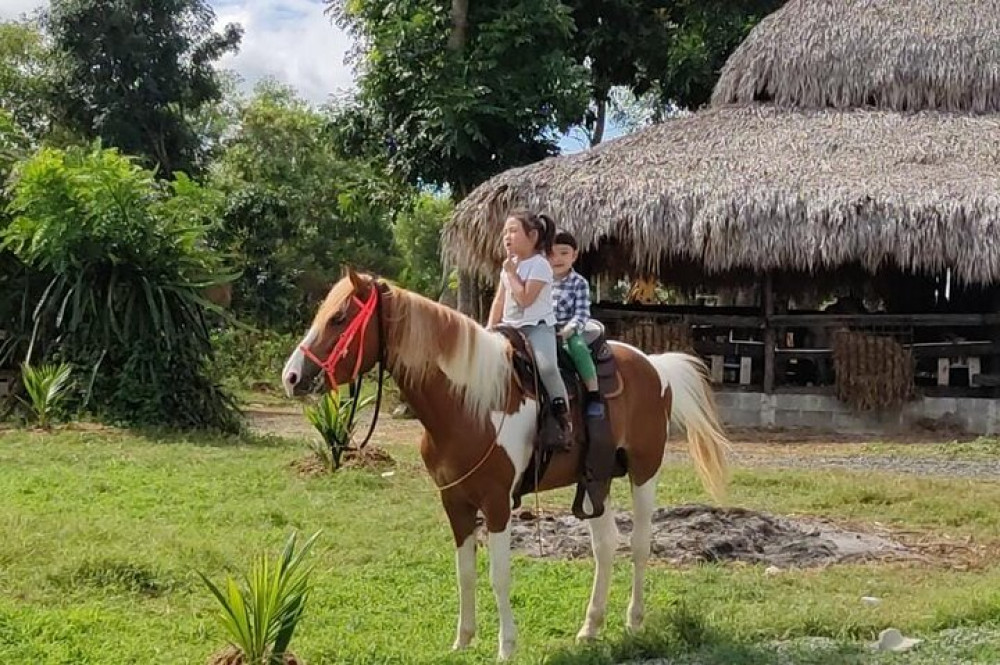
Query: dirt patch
(698, 533)
(371, 458)
(288, 421)
(232, 656)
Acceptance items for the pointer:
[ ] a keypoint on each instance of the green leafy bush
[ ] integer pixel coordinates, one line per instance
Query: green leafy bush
(417, 236)
(247, 358)
(125, 260)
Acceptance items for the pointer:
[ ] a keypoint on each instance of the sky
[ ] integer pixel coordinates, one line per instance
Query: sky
(292, 41)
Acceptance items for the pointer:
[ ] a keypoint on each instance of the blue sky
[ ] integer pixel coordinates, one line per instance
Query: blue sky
(290, 40)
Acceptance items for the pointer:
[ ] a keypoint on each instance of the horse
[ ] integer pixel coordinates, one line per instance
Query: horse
(480, 425)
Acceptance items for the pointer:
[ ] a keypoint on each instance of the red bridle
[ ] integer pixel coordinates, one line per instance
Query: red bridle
(356, 328)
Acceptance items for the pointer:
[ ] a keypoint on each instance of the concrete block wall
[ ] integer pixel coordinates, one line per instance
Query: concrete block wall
(827, 413)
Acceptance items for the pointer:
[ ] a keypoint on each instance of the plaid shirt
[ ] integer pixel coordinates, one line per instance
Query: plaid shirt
(571, 296)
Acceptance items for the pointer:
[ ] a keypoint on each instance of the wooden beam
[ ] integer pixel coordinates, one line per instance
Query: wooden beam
(865, 320)
(770, 335)
(720, 320)
(706, 347)
(739, 317)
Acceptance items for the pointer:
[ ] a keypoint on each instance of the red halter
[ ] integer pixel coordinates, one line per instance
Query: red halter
(359, 324)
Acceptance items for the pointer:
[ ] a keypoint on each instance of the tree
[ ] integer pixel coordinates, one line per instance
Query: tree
(297, 208)
(132, 73)
(26, 70)
(668, 53)
(455, 97)
(16, 292)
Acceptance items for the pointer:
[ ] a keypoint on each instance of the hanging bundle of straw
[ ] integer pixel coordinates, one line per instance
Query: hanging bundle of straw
(652, 337)
(873, 371)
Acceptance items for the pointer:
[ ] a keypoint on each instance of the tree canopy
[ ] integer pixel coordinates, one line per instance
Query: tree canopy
(131, 75)
(453, 99)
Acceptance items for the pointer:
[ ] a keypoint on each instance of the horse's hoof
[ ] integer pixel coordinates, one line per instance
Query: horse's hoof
(463, 641)
(586, 635)
(506, 651)
(634, 624)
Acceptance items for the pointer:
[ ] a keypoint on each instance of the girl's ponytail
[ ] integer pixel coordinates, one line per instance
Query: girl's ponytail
(548, 234)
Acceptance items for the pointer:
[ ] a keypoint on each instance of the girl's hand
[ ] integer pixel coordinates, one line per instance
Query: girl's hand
(510, 265)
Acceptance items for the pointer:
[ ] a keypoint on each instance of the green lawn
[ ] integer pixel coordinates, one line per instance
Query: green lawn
(103, 533)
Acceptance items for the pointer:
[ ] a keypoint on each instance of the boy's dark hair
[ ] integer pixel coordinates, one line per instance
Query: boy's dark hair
(565, 238)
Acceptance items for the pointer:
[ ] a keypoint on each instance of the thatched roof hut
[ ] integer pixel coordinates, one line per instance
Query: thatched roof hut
(842, 133)
(890, 54)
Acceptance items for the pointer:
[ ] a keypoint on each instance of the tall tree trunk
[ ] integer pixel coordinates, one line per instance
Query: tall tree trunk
(602, 118)
(466, 293)
(459, 24)
(468, 285)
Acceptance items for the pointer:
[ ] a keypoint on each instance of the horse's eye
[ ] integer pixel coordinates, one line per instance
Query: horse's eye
(337, 319)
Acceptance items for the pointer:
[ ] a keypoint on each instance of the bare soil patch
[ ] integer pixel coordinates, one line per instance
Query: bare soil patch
(289, 421)
(371, 458)
(696, 533)
(232, 656)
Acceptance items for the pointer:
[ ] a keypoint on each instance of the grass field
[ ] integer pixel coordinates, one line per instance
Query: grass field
(103, 532)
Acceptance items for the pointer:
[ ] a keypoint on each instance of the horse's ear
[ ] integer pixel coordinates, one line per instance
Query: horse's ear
(357, 282)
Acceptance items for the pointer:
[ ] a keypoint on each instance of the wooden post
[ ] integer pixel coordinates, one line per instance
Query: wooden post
(770, 337)
(466, 293)
(718, 369)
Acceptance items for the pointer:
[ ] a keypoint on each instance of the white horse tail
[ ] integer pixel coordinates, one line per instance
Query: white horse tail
(693, 407)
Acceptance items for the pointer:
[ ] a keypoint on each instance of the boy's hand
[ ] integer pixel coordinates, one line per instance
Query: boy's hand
(566, 333)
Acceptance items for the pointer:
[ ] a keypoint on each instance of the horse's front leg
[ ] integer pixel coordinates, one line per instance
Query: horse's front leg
(462, 517)
(498, 523)
(604, 540)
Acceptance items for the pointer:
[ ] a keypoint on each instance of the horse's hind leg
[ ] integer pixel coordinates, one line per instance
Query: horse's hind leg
(604, 540)
(643, 503)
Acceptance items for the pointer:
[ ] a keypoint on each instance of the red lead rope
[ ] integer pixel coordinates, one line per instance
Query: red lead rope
(356, 328)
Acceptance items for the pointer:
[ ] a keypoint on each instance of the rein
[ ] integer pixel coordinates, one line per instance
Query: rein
(372, 308)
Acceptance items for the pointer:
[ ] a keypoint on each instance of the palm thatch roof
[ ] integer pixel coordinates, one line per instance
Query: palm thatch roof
(842, 134)
(890, 54)
(763, 188)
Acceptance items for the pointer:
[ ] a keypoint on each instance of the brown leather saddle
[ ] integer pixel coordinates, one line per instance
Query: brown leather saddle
(601, 460)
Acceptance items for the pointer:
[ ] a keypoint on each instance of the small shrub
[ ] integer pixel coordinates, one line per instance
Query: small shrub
(330, 418)
(114, 576)
(47, 387)
(251, 359)
(261, 615)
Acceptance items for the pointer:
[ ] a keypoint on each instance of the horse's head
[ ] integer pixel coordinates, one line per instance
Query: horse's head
(344, 339)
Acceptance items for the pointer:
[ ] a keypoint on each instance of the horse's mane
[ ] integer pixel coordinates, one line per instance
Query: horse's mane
(425, 335)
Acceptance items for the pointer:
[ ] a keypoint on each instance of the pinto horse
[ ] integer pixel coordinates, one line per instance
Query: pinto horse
(479, 428)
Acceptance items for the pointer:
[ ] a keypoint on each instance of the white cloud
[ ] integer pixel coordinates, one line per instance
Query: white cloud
(290, 40)
(15, 9)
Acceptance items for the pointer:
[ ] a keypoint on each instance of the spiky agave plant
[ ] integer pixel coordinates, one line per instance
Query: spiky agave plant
(330, 418)
(47, 386)
(261, 614)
